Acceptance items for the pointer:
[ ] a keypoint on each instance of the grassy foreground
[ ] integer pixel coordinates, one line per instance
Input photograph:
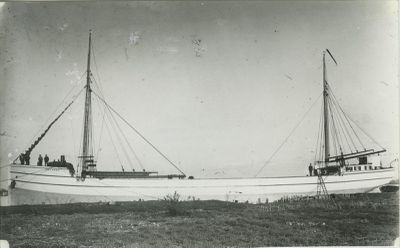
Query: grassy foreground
(362, 219)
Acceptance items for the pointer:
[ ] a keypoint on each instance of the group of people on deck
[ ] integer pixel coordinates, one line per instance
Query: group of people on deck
(40, 160)
(340, 171)
(24, 158)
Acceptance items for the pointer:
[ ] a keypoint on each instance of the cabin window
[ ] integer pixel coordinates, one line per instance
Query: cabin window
(359, 168)
(370, 167)
(365, 167)
(362, 160)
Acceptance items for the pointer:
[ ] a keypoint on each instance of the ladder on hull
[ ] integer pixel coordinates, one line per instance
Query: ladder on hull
(322, 192)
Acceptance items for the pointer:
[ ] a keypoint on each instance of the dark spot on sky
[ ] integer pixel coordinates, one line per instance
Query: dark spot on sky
(198, 48)
(197, 42)
(289, 77)
(126, 53)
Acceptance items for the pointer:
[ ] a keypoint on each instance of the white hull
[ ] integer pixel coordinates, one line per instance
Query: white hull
(46, 185)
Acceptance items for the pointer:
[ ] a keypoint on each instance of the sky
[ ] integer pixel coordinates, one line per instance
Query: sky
(217, 86)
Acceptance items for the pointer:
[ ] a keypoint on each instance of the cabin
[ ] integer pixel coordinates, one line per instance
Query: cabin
(365, 163)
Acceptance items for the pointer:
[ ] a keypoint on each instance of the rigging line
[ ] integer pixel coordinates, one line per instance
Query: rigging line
(290, 134)
(98, 74)
(112, 128)
(337, 105)
(105, 118)
(367, 134)
(50, 117)
(322, 144)
(347, 118)
(317, 140)
(28, 151)
(127, 142)
(99, 86)
(341, 124)
(101, 129)
(138, 133)
(322, 137)
(115, 126)
(73, 137)
(339, 141)
(318, 136)
(112, 141)
(335, 132)
(332, 127)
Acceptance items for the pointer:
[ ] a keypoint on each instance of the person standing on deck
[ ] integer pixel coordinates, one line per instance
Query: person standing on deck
(21, 158)
(27, 158)
(46, 159)
(40, 160)
(310, 169)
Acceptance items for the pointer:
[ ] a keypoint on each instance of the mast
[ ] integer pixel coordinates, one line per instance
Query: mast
(87, 153)
(326, 114)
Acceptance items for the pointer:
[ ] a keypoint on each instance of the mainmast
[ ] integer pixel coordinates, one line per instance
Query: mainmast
(87, 152)
(326, 113)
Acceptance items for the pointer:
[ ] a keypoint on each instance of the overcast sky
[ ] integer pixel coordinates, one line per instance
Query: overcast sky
(217, 86)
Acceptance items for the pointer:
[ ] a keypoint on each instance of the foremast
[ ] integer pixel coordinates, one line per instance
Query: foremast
(86, 157)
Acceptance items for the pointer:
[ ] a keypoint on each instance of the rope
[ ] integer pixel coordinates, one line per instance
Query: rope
(336, 139)
(284, 141)
(373, 140)
(127, 142)
(99, 86)
(101, 131)
(29, 150)
(319, 136)
(340, 121)
(347, 118)
(55, 110)
(112, 142)
(114, 123)
(138, 133)
(337, 106)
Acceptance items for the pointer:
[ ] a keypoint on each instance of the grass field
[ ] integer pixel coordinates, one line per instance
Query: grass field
(362, 219)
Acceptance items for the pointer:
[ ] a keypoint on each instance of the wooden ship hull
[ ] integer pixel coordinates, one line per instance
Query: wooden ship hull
(46, 185)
